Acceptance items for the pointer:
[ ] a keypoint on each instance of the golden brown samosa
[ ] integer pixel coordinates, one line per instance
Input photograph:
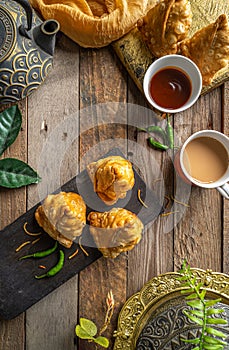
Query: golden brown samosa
(112, 177)
(209, 48)
(165, 25)
(115, 231)
(62, 216)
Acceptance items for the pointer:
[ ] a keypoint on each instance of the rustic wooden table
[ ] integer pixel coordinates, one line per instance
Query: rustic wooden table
(82, 78)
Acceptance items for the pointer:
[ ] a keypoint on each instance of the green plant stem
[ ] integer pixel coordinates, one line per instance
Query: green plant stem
(201, 298)
(201, 309)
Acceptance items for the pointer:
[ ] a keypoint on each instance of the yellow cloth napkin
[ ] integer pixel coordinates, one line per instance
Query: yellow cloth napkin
(93, 23)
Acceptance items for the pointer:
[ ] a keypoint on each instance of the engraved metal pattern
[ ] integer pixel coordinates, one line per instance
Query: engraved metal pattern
(27, 67)
(8, 33)
(168, 327)
(158, 308)
(136, 56)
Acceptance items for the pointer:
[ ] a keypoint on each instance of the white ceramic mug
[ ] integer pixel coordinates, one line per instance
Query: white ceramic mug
(181, 63)
(222, 183)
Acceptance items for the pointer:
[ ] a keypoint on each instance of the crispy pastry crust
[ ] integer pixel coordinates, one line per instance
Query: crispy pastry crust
(112, 177)
(165, 25)
(62, 216)
(116, 231)
(209, 48)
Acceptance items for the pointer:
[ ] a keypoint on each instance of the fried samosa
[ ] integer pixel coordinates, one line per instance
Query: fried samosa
(62, 216)
(112, 177)
(209, 48)
(165, 25)
(115, 231)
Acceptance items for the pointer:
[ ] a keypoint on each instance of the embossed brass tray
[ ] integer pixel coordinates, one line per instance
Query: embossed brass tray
(136, 57)
(153, 318)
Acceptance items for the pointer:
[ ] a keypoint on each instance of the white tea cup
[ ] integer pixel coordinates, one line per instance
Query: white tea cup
(204, 160)
(172, 85)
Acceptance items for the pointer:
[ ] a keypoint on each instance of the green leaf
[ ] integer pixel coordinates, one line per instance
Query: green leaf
(199, 285)
(88, 326)
(102, 341)
(14, 173)
(203, 293)
(211, 340)
(10, 125)
(215, 332)
(198, 313)
(193, 281)
(182, 278)
(183, 265)
(82, 334)
(216, 321)
(186, 284)
(191, 296)
(209, 303)
(196, 304)
(191, 341)
(214, 311)
(212, 347)
(197, 320)
(186, 291)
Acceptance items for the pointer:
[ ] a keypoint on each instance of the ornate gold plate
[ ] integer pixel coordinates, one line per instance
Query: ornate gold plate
(153, 318)
(136, 57)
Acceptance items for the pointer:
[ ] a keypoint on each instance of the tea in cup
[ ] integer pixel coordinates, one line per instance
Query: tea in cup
(172, 83)
(204, 160)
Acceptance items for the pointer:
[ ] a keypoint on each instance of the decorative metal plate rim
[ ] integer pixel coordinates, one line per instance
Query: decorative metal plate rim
(155, 291)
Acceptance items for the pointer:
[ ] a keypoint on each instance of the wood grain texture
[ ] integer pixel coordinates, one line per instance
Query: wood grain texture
(50, 323)
(202, 221)
(148, 256)
(225, 120)
(12, 205)
(101, 81)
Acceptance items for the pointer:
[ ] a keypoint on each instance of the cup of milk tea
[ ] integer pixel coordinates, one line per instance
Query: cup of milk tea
(204, 160)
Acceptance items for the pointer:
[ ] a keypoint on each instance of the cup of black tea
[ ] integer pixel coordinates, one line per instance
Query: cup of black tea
(172, 83)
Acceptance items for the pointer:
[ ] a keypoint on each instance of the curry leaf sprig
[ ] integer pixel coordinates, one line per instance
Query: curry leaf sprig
(88, 329)
(14, 173)
(203, 312)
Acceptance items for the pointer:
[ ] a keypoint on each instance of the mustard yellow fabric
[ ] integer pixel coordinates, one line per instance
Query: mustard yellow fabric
(93, 23)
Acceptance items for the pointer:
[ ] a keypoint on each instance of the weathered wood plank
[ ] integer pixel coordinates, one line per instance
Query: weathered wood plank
(148, 258)
(225, 101)
(50, 323)
(12, 205)
(101, 81)
(198, 235)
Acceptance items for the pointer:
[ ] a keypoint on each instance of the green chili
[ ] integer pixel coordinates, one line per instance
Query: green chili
(41, 254)
(157, 144)
(169, 130)
(54, 270)
(155, 129)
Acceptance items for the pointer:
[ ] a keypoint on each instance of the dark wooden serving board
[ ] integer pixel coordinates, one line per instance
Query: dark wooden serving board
(18, 287)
